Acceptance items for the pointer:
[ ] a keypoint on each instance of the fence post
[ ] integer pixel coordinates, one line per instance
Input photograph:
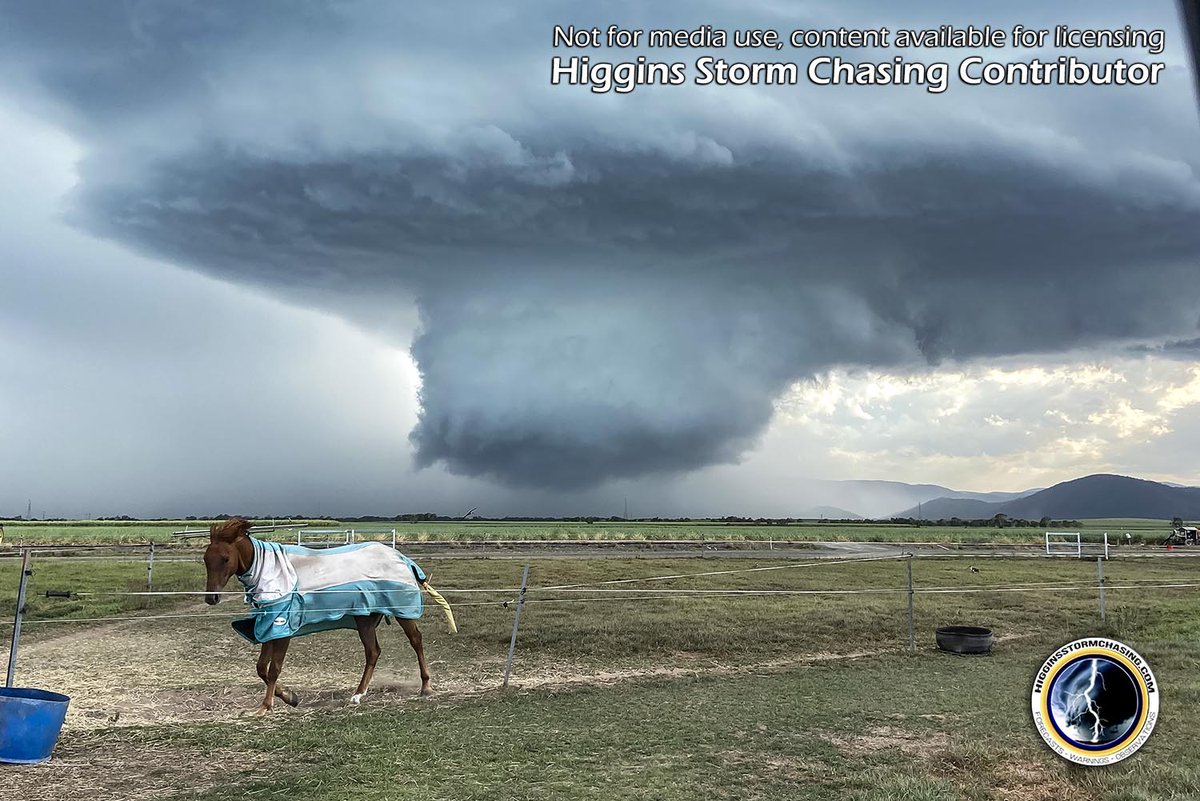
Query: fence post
(150, 569)
(1100, 574)
(512, 643)
(912, 640)
(16, 635)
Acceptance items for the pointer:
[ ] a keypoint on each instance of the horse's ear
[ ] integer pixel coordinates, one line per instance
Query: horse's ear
(230, 530)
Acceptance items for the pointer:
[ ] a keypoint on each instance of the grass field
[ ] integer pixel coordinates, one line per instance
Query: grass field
(766, 697)
(93, 532)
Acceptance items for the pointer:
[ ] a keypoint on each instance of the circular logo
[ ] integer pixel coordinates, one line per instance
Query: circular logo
(1095, 701)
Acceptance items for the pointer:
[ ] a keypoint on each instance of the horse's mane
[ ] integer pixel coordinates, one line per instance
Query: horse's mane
(231, 529)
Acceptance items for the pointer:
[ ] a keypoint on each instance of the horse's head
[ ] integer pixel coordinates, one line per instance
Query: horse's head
(229, 553)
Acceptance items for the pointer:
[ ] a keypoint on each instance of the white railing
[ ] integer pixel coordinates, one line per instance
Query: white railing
(357, 534)
(1069, 543)
(323, 536)
(329, 537)
(1063, 543)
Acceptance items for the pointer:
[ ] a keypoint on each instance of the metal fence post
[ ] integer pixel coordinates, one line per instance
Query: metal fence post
(16, 635)
(150, 569)
(912, 640)
(512, 643)
(1100, 574)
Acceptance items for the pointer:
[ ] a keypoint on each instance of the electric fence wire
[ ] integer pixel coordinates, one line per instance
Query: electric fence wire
(683, 595)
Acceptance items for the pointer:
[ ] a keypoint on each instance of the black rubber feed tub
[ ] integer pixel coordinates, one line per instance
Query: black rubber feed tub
(965, 639)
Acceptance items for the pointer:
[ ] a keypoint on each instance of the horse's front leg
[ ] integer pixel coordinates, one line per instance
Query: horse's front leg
(270, 665)
(368, 632)
(264, 668)
(414, 639)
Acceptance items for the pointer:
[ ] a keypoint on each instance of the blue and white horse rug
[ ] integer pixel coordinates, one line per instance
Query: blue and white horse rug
(296, 590)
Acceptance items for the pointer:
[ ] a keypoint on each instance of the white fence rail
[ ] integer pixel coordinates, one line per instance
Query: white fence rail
(331, 537)
(1063, 543)
(1070, 543)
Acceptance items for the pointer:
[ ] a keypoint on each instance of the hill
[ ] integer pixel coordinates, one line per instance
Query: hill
(876, 499)
(1080, 499)
(947, 508)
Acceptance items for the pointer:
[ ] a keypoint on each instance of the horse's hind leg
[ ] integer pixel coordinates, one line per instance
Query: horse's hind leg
(289, 697)
(414, 639)
(367, 632)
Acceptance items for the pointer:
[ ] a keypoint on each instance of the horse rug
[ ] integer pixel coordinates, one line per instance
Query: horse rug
(295, 590)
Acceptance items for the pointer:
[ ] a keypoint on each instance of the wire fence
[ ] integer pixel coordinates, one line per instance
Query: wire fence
(639, 595)
(608, 586)
(629, 589)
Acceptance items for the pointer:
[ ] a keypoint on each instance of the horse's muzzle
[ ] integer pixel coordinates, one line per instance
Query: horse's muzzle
(212, 598)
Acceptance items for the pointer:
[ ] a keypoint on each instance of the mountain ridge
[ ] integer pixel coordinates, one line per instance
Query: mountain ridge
(1099, 495)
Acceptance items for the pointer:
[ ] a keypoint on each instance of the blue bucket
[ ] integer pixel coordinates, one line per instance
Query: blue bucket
(30, 721)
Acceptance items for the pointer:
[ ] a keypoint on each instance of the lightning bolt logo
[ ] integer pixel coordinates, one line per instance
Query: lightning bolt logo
(1083, 703)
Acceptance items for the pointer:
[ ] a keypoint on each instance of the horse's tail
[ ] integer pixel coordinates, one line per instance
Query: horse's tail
(440, 601)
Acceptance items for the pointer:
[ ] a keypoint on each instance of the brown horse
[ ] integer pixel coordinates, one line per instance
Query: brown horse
(231, 553)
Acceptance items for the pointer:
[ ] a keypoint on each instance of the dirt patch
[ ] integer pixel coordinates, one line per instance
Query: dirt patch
(547, 677)
(133, 673)
(769, 769)
(1034, 781)
(102, 768)
(888, 739)
(128, 673)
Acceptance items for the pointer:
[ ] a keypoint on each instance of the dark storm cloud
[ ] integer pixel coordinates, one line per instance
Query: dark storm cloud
(1188, 349)
(613, 287)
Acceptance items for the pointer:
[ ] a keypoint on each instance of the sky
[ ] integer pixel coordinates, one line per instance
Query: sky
(362, 258)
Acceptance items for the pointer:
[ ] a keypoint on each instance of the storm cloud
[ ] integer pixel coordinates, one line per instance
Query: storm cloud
(615, 286)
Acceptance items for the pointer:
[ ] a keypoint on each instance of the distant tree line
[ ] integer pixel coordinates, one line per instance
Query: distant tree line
(997, 521)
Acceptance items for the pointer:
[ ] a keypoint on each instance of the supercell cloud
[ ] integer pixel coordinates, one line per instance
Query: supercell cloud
(615, 286)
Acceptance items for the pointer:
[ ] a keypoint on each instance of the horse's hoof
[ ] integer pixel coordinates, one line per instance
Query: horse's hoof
(356, 699)
(426, 691)
(293, 699)
(257, 712)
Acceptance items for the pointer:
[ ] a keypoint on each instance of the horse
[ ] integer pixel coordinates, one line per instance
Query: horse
(296, 591)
